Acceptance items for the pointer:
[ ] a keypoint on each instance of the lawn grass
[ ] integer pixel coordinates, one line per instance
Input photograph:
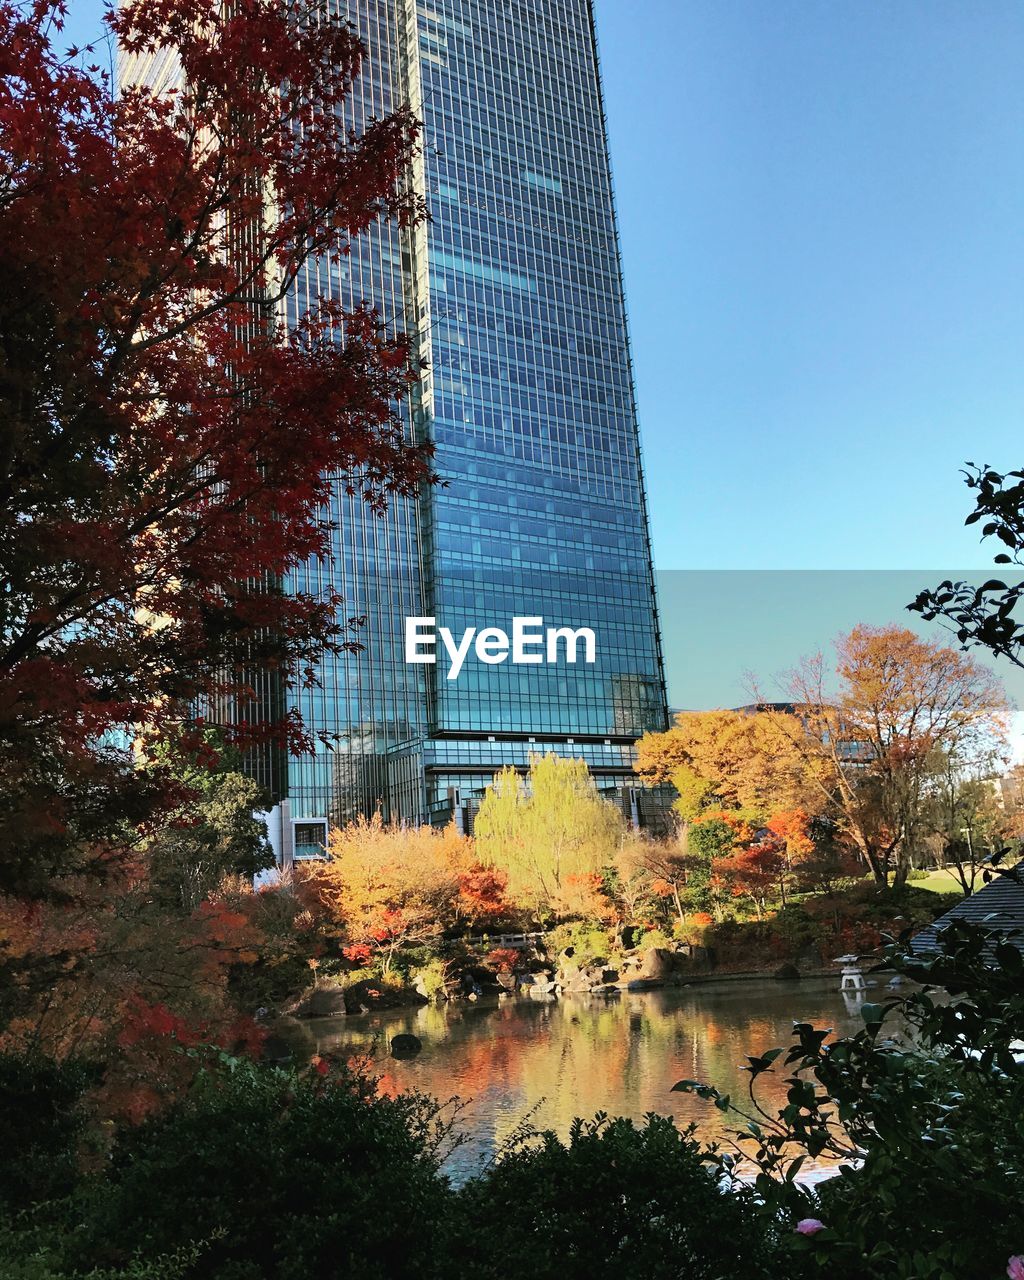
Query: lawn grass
(945, 882)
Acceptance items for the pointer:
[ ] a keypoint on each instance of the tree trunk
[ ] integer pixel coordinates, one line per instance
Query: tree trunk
(877, 866)
(679, 903)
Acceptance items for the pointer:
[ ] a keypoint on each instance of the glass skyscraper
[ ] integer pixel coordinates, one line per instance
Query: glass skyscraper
(513, 292)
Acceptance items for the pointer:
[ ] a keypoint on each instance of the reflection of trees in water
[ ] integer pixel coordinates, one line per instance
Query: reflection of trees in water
(586, 1054)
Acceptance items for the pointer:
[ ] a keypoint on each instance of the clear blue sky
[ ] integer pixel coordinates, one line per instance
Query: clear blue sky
(822, 219)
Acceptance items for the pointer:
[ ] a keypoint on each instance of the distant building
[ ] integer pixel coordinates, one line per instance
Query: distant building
(1010, 790)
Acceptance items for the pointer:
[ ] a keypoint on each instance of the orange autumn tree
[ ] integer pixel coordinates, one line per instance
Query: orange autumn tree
(870, 730)
(728, 759)
(483, 896)
(748, 858)
(792, 828)
(753, 871)
(388, 886)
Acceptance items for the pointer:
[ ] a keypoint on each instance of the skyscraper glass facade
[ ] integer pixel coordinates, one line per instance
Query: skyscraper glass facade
(513, 292)
(529, 394)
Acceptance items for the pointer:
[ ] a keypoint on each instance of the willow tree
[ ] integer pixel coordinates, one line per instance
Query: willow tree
(551, 832)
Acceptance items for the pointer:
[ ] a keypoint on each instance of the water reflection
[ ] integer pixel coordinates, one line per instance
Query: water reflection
(579, 1055)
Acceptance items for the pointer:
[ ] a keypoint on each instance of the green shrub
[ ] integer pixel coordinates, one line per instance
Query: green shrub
(432, 978)
(588, 941)
(956, 1158)
(616, 1200)
(795, 929)
(33, 1250)
(933, 905)
(928, 1124)
(41, 1125)
(280, 1178)
(654, 938)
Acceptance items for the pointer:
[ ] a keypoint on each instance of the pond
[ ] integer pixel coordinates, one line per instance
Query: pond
(550, 1060)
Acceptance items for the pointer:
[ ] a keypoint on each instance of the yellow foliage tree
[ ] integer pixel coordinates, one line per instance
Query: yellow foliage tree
(552, 832)
(737, 759)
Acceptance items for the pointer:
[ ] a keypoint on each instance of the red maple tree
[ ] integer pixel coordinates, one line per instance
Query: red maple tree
(166, 446)
(753, 872)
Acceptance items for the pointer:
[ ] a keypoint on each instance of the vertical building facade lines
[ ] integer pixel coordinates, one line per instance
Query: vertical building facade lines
(513, 294)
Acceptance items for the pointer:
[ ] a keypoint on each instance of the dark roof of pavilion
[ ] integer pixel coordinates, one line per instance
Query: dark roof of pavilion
(998, 906)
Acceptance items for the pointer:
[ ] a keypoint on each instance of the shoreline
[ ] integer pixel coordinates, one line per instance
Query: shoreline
(649, 985)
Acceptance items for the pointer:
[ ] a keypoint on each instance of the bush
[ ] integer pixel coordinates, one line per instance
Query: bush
(432, 978)
(615, 1200)
(41, 1124)
(929, 1127)
(258, 1174)
(795, 929)
(588, 941)
(33, 1251)
(654, 938)
(279, 1178)
(957, 1159)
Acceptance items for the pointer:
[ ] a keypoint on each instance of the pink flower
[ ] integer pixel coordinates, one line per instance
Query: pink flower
(811, 1227)
(1015, 1267)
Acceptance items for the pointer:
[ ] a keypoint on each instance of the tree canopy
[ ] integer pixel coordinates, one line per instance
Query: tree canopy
(985, 615)
(737, 759)
(166, 447)
(552, 832)
(856, 743)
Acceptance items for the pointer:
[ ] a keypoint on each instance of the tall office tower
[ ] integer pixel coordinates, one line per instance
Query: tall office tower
(513, 291)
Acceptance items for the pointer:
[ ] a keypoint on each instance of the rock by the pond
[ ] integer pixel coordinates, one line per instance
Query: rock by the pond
(639, 984)
(787, 972)
(324, 1002)
(405, 1046)
(288, 1040)
(577, 981)
(568, 972)
(657, 964)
